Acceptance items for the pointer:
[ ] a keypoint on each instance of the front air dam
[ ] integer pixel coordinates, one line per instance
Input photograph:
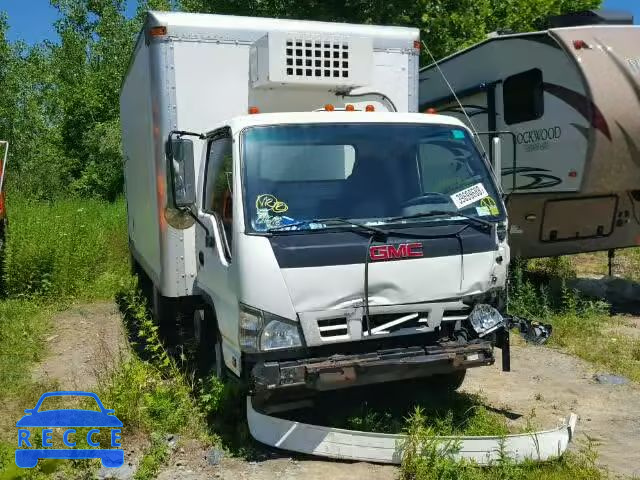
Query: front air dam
(388, 448)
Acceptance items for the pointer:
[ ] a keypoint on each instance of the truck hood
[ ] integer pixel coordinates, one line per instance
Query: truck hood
(326, 271)
(390, 283)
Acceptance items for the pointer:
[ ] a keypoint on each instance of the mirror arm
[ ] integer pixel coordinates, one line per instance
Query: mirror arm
(208, 240)
(185, 133)
(180, 133)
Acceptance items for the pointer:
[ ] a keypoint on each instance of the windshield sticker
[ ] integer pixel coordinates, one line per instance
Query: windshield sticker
(458, 134)
(483, 211)
(491, 205)
(266, 221)
(271, 203)
(469, 195)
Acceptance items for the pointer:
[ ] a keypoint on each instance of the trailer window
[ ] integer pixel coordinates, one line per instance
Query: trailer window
(523, 96)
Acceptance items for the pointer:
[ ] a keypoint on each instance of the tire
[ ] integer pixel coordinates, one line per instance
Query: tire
(164, 311)
(448, 382)
(208, 343)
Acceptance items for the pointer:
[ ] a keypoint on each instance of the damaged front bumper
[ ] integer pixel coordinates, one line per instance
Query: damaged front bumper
(389, 448)
(340, 371)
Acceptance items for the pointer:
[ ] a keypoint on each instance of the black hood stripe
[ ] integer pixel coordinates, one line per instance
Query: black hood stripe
(349, 247)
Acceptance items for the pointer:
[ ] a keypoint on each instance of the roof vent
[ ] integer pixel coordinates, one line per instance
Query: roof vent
(591, 17)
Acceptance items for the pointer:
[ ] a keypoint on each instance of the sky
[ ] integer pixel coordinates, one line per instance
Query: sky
(32, 20)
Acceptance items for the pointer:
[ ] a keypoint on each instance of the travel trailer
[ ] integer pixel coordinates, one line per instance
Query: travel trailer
(567, 101)
(284, 194)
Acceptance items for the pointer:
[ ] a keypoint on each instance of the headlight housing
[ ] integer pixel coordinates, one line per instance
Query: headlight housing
(263, 331)
(485, 319)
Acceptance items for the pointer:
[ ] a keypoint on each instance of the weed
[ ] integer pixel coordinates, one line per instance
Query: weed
(149, 393)
(426, 457)
(154, 457)
(143, 331)
(225, 409)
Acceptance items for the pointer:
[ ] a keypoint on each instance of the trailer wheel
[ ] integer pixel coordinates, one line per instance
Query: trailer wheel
(208, 343)
(448, 382)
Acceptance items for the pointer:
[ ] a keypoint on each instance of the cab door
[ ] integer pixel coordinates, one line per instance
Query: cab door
(214, 248)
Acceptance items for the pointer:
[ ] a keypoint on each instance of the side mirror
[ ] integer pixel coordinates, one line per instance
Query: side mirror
(183, 178)
(496, 160)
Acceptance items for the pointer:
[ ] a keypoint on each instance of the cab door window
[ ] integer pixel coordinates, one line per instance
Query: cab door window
(218, 194)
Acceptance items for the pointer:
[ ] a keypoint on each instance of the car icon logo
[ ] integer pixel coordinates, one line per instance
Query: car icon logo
(27, 455)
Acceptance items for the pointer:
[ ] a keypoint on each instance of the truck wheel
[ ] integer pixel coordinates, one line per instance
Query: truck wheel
(208, 343)
(448, 382)
(164, 311)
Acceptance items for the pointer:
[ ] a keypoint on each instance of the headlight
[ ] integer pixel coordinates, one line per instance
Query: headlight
(262, 331)
(485, 319)
(280, 334)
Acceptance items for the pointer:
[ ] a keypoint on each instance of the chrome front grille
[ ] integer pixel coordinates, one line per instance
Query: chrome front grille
(349, 324)
(382, 324)
(333, 327)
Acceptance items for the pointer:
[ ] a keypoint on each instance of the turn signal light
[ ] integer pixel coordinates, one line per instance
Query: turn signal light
(329, 108)
(350, 108)
(253, 110)
(370, 108)
(580, 44)
(158, 31)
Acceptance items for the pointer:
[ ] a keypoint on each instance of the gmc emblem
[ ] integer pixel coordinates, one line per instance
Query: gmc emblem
(389, 252)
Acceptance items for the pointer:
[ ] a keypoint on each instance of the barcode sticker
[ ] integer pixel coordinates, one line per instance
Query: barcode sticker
(469, 195)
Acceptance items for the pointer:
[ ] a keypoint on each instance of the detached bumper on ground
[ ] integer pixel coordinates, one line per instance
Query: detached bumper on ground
(340, 371)
(387, 448)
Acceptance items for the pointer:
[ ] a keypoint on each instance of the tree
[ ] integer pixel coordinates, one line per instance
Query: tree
(446, 25)
(60, 100)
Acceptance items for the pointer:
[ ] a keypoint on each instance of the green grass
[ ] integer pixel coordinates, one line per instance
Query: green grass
(68, 249)
(595, 339)
(23, 324)
(56, 253)
(581, 326)
(426, 458)
(626, 263)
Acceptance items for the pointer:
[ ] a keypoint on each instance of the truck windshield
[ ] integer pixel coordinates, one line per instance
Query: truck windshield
(370, 173)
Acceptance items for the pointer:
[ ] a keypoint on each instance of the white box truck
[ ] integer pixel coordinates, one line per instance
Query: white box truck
(283, 192)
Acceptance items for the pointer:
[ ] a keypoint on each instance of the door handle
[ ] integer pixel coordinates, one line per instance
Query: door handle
(201, 257)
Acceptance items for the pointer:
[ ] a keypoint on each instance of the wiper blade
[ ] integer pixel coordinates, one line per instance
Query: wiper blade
(369, 228)
(442, 213)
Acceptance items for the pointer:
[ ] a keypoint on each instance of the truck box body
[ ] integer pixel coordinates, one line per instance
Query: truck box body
(191, 71)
